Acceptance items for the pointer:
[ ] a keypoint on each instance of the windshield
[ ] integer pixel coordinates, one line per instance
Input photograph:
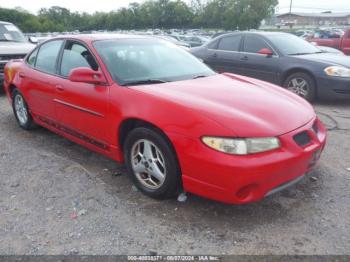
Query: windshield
(9, 32)
(289, 44)
(149, 60)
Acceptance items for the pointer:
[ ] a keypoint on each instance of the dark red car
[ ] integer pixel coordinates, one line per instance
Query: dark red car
(336, 41)
(175, 123)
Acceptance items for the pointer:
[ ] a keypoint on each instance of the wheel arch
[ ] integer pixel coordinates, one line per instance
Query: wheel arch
(128, 124)
(11, 88)
(294, 70)
(300, 70)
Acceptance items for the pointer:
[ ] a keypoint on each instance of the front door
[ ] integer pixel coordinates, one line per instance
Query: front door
(257, 65)
(81, 108)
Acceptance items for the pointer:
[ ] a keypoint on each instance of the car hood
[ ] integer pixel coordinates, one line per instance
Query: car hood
(14, 48)
(327, 58)
(247, 107)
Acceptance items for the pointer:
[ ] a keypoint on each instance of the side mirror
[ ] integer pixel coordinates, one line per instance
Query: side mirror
(87, 75)
(33, 40)
(266, 51)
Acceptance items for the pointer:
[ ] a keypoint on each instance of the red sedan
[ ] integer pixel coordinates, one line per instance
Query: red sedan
(176, 124)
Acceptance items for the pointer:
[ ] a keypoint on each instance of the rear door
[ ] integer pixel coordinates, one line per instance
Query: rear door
(39, 78)
(257, 65)
(81, 108)
(225, 56)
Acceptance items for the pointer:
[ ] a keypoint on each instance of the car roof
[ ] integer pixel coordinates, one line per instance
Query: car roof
(262, 33)
(96, 37)
(270, 33)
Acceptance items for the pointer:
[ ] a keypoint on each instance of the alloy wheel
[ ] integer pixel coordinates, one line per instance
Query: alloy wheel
(299, 86)
(21, 109)
(148, 164)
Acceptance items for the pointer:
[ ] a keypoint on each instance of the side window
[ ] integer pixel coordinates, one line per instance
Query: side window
(47, 57)
(32, 58)
(76, 55)
(230, 43)
(253, 44)
(213, 45)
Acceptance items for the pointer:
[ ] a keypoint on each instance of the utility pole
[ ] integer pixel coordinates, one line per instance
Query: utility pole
(290, 14)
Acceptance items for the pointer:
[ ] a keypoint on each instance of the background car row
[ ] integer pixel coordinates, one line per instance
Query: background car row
(280, 58)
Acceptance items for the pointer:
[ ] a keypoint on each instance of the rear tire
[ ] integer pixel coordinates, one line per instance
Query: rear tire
(21, 111)
(152, 163)
(301, 84)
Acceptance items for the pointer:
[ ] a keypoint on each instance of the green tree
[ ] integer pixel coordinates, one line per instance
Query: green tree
(237, 14)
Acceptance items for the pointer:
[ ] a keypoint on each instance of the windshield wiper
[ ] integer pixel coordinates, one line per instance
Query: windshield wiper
(144, 82)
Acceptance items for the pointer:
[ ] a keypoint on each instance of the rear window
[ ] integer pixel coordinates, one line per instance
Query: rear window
(47, 57)
(213, 45)
(230, 43)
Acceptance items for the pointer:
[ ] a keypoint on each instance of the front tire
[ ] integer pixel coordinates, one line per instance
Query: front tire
(21, 111)
(151, 163)
(301, 84)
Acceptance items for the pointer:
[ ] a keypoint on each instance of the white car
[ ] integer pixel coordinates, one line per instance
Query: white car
(13, 45)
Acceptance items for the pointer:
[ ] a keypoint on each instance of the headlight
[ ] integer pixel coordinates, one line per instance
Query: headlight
(242, 146)
(337, 71)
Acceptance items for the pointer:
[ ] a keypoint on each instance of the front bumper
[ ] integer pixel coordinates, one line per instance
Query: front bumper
(2, 67)
(333, 87)
(243, 179)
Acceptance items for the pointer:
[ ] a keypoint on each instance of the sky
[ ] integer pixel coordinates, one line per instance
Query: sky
(107, 5)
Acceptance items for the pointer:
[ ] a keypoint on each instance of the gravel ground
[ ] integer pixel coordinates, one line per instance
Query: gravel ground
(44, 178)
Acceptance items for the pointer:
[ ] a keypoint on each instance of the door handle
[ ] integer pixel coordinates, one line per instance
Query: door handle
(21, 75)
(215, 55)
(244, 58)
(59, 88)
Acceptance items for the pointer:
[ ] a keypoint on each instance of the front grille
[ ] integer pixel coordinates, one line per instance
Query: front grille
(5, 58)
(302, 139)
(10, 57)
(2, 66)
